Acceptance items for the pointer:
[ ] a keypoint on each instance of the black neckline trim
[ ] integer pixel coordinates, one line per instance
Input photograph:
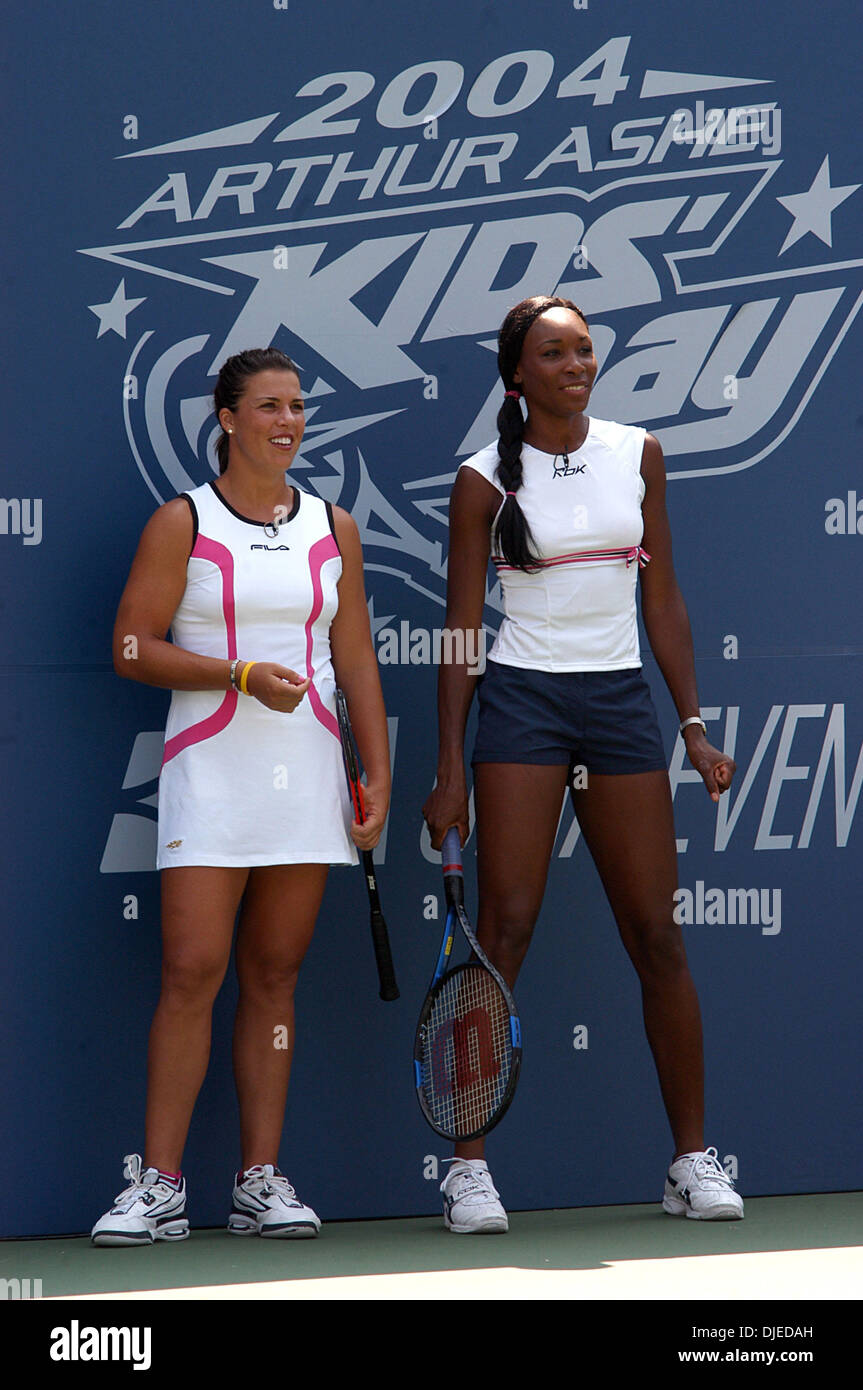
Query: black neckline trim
(250, 520)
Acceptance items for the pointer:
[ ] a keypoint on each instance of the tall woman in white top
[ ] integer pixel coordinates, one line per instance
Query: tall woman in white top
(571, 510)
(262, 586)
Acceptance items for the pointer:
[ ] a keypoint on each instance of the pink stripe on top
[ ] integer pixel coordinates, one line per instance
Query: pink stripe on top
(322, 550)
(631, 554)
(220, 555)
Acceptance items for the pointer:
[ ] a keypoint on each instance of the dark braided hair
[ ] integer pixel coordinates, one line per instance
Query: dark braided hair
(512, 536)
(233, 376)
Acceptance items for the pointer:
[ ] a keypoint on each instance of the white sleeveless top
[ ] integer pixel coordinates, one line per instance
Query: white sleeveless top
(577, 613)
(242, 784)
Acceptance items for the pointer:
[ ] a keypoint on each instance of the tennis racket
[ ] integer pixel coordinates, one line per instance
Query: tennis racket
(380, 937)
(467, 1051)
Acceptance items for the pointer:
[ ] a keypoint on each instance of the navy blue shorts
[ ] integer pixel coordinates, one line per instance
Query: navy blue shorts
(604, 721)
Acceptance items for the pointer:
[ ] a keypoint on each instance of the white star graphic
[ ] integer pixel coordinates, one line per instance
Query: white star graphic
(113, 315)
(812, 210)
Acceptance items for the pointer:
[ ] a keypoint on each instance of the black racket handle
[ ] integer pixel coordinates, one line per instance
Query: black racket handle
(389, 990)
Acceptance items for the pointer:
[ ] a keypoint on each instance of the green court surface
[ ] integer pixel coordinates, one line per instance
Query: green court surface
(804, 1247)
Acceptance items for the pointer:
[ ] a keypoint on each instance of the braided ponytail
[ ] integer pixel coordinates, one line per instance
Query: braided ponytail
(512, 536)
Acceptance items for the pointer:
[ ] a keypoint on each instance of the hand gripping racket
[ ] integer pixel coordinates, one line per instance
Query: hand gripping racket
(467, 1051)
(380, 937)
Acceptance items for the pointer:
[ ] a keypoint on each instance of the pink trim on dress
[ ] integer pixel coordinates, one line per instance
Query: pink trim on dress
(631, 554)
(322, 550)
(207, 549)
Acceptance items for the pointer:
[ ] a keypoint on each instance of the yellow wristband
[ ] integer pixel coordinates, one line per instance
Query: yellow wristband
(245, 676)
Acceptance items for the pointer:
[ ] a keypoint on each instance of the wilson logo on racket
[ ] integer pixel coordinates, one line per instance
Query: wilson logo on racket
(463, 1053)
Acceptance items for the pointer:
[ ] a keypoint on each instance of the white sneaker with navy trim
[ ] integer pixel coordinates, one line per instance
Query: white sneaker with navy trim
(265, 1204)
(471, 1202)
(698, 1186)
(149, 1209)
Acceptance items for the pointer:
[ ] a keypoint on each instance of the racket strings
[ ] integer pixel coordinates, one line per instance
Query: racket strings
(466, 1051)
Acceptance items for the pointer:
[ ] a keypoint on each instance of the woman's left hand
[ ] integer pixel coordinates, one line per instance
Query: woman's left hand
(377, 802)
(716, 768)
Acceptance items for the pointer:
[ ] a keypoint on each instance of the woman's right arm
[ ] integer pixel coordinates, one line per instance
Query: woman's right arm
(150, 599)
(156, 583)
(473, 505)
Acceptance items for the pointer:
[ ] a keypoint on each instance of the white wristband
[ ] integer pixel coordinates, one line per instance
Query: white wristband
(694, 719)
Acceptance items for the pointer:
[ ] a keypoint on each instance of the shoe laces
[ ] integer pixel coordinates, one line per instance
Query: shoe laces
(273, 1183)
(707, 1165)
(469, 1182)
(139, 1180)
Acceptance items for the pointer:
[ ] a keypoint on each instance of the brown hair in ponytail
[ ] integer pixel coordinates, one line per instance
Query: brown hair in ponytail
(512, 538)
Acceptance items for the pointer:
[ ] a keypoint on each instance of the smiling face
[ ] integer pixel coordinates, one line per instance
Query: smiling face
(266, 427)
(557, 367)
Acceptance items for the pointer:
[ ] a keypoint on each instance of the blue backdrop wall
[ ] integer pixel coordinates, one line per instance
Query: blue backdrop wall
(371, 187)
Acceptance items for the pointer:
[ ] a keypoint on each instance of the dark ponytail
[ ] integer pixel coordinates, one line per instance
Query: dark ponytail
(512, 536)
(233, 376)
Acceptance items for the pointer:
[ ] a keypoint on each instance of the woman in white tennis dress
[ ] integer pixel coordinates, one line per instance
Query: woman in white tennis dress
(262, 588)
(240, 783)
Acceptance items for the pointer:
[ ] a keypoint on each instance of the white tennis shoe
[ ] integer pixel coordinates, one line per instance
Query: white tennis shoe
(265, 1204)
(471, 1202)
(698, 1186)
(149, 1209)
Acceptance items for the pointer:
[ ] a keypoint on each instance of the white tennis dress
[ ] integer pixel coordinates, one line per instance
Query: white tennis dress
(242, 784)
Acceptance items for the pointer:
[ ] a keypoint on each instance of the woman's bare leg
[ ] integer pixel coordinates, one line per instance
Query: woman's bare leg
(628, 826)
(517, 813)
(199, 906)
(278, 917)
